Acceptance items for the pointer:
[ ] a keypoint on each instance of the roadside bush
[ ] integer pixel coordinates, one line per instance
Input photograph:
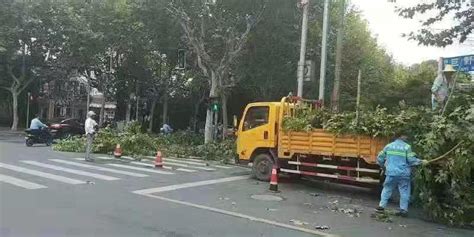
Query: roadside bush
(136, 143)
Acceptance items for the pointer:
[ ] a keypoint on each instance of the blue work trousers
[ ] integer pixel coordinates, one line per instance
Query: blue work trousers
(404, 187)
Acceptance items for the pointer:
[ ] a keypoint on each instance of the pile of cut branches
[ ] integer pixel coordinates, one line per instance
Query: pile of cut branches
(445, 188)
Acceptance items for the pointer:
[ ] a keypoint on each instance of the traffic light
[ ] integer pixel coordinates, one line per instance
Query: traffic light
(181, 59)
(213, 104)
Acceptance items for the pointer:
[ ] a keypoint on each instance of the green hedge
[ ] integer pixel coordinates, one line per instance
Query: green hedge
(137, 144)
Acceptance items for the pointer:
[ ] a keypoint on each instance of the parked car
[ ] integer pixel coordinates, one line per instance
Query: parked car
(66, 128)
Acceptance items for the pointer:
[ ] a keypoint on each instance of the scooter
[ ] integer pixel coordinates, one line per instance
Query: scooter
(37, 136)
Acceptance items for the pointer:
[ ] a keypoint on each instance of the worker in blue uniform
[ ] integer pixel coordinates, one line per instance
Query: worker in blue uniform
(397, 158)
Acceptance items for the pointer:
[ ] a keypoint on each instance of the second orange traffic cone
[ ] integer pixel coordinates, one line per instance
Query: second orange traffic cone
(158, 160)
(118, 151)
(274, 180)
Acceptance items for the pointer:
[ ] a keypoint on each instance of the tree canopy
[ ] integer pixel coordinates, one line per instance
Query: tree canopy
(130, 47)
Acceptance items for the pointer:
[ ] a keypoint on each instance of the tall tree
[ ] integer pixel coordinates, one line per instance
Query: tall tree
(28, 44)
(217, 32)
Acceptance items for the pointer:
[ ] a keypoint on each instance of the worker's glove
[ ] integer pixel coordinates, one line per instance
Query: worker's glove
(424, 162)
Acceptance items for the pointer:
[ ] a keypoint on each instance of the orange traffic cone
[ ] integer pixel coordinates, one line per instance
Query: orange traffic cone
(118, 151)
(274, 180)
(158, 160)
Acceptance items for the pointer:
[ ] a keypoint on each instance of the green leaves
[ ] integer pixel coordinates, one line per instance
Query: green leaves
(444, 189)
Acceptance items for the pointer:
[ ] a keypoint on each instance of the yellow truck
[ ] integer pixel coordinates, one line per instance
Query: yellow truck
(262, 143)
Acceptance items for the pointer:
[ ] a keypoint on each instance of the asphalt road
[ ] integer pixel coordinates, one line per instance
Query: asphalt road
(101, 201)
(47, 193)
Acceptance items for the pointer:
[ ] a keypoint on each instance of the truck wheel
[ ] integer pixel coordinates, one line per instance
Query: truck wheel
(262, 167)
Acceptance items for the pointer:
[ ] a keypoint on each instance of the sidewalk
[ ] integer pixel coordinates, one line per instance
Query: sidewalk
(8, 131)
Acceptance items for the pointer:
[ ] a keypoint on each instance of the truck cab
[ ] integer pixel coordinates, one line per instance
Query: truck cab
(257, 131)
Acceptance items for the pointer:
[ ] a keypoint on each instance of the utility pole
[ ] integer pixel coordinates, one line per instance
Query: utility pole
(322, 74)
(28, 110)
(337, 73)
(301, 62)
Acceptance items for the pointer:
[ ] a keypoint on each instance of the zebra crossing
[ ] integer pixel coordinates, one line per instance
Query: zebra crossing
(59, 170)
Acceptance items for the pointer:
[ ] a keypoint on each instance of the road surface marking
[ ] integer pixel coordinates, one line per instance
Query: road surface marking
(42, 174)
(243, 216)
(186, 162)
(196, 163)
(99, 158)
(222, 167)
(189, 185)
(100, 168)
(20, 182)
(164, 167)
(126, 157)
(193, 162)
(141, 169)
(72, 171)
(184, 165)
(103, 158)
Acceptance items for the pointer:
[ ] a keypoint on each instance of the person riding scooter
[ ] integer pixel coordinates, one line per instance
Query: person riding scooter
(38, 133)
(39, 128)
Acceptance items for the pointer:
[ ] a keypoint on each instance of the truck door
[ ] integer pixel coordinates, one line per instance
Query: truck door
(255, 131)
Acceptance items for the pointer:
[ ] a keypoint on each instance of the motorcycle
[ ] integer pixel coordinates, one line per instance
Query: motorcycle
(37, 136)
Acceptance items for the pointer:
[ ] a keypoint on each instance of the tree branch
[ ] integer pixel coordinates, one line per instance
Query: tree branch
(6, 88)
(25, 85)
(10, 72)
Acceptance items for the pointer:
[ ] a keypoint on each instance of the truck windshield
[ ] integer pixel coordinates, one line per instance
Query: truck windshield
(255, 117)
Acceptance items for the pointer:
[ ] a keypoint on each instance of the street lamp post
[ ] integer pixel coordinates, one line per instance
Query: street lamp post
(136, 112)
(132, 98)
(28, 109)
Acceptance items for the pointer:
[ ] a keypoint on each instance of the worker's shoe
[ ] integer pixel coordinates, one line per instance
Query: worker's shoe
(402, 213)
(379, 209)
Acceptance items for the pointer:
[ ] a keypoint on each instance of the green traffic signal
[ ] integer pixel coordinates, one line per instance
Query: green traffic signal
(215, 107)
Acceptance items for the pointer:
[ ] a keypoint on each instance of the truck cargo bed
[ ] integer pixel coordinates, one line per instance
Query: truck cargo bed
(321, 142)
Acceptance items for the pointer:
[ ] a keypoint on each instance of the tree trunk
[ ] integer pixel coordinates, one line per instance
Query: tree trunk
(152, 116)
(15, 110)
(165, 108)
(337, 76)
(194, 119)
(225, 121)
(129, 111)
(102, 112)
(208, 135)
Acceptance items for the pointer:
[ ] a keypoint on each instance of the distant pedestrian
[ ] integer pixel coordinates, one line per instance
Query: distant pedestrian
(397, 158)
(166, 129)
(90, 129)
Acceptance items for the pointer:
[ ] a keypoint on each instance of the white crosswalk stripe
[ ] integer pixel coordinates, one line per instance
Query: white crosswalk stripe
(222, 166)
(185, 162)
(99, 168)
(72, 171)
(20, 182)
(164, 167)
(141, 169)
(42, 174)
(101, 157)
(184, 165)
(194, 162)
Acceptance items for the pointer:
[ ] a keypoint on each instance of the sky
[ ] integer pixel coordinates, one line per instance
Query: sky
(388, 27)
